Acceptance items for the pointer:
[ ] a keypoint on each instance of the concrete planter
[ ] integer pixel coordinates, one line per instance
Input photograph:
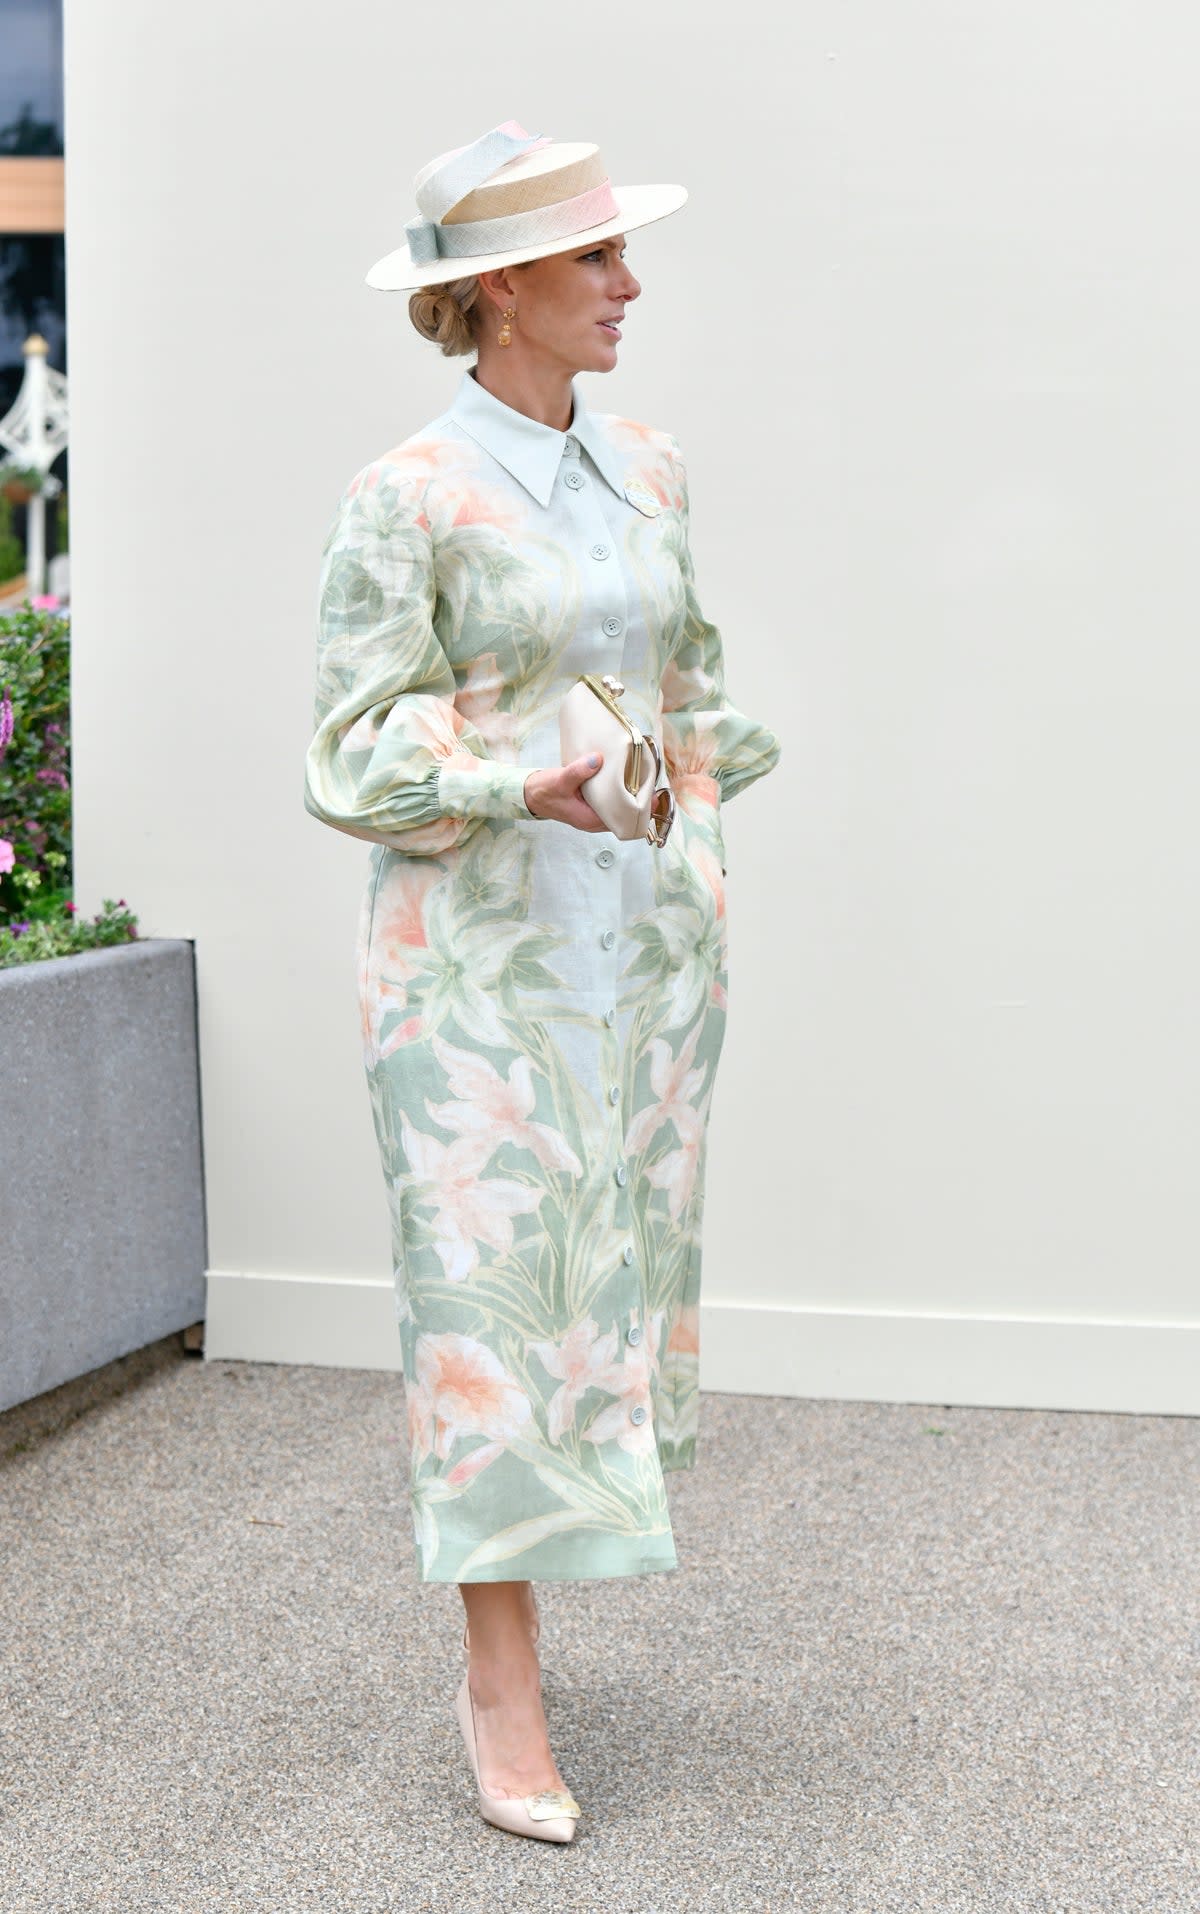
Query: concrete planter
(102, 1234)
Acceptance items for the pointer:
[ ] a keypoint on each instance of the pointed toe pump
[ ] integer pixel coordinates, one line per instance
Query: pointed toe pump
(548, 1815)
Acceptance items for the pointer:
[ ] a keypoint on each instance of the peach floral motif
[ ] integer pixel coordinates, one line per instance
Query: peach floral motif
(632, 1382)
(462, 1389)
(491, 1108)
(676, 1173)
(676, 1085)
(684, 1339)
(583, 1360)
(680, 688)
(691, 752)
(470, 1209)
(709, 866)
(399, 930)
(478, 700)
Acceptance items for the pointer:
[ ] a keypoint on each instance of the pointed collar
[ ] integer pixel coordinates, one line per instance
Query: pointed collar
(526, 448)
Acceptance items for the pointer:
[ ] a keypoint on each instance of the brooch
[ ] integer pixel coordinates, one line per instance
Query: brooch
(644, 499)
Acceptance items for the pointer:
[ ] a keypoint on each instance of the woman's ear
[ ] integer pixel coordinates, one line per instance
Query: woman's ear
(498, 287)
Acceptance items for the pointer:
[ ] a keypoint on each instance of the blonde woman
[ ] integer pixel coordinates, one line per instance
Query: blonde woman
(543, 1002)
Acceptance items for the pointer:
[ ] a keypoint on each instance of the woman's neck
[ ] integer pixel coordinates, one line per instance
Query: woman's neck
(539, 394)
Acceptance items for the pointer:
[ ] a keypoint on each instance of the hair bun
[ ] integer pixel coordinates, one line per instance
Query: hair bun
(439, 312)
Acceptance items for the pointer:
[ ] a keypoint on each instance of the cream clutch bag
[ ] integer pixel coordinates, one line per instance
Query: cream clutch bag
(627, 791)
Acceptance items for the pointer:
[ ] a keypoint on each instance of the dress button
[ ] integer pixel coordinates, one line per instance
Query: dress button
(599, 551)
(637, 1413)
(569, 446)
(610, 1018)
(627, 1252)
(604, 858)
(575, 480)
(609, 939)
(621, 1174)
(633, 1334)
(613, 627)
(614, 1095)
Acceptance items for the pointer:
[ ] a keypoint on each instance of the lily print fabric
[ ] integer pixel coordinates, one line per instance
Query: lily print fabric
(543, 1009)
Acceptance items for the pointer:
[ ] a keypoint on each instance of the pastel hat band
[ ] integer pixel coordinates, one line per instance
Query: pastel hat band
(453, 178)
(428, 240)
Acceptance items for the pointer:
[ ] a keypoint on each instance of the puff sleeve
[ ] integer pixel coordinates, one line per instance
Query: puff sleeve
(704, 733)
(391, 759)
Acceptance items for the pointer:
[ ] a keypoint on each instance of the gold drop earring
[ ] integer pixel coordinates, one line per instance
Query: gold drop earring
(505, 333)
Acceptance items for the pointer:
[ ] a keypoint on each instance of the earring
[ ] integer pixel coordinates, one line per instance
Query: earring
(505, 333)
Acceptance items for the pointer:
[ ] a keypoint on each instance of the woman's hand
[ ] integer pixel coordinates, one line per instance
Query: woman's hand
(555, 793)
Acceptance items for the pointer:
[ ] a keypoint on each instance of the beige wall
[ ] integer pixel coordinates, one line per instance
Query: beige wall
(926, 332)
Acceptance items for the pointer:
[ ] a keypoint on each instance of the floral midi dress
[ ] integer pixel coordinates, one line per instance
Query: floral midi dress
(543, 1008)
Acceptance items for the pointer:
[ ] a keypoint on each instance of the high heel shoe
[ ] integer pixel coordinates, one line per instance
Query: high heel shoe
(548, 1815)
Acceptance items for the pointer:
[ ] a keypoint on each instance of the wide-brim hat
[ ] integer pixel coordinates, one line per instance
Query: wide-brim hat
(511, 196)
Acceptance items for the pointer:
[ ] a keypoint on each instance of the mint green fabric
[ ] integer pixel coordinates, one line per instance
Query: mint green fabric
(542, 1009)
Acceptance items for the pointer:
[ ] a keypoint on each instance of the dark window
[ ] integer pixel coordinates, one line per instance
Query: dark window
(31, 78)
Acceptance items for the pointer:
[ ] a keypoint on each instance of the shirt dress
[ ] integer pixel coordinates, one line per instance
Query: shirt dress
(543, 1008)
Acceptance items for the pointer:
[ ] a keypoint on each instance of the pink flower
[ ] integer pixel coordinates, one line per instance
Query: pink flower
(684, 1339)
(489, 1106)
(8, 856)
(709, 866)
(676, 1174)
(47, 602)
(469, 1208)
(462, 1389)
(386, 962)
(583, 1360)
(632, 1382)
(676, 1085)
(690, 748)
(478, 699)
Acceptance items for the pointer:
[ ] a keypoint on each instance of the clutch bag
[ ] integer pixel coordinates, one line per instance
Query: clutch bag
(628, 792)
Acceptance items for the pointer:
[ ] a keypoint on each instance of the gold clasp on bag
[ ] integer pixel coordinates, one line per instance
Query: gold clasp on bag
(608, 689)
(662, 802)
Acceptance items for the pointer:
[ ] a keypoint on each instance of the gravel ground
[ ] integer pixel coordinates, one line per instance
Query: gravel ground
(914, 1658)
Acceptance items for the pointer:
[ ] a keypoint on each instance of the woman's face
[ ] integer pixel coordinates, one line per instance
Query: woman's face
(565, 303)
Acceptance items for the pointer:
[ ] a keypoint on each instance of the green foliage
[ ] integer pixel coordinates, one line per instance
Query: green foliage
(12, 552)
(27, 475)
(37, 916)
(35, 791)
(64, 934)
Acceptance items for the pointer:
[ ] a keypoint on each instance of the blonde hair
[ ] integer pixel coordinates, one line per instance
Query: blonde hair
(449, 313)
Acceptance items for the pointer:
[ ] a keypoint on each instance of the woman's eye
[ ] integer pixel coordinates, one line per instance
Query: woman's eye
(599, 253)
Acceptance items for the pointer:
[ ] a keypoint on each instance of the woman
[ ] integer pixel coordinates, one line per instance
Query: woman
(543, 1003)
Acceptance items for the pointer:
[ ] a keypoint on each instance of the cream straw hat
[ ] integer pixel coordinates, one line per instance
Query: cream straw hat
(510, 196)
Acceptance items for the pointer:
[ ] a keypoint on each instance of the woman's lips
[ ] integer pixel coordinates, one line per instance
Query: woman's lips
(610, 327)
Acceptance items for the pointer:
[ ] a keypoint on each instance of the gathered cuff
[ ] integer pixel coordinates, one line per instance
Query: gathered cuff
(495, 790)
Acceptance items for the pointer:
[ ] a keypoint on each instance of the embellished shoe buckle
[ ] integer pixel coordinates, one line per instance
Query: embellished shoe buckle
(551, 1802)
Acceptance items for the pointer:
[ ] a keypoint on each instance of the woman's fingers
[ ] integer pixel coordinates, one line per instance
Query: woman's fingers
(555, 793)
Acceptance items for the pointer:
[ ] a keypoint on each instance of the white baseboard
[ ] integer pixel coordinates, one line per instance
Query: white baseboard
(1009, 1362)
